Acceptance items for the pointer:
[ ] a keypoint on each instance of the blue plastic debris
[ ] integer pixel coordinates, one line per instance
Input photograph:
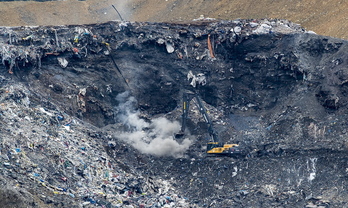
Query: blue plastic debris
(91, 201)
(63, 189)
(59, 117)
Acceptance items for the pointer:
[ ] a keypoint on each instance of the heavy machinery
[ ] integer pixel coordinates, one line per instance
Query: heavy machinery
(214, 146)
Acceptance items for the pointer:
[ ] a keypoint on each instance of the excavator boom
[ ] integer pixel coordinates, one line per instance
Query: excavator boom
(187, 97)
(214, 146)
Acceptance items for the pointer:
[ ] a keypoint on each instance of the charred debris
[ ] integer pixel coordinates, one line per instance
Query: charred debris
(88, 114)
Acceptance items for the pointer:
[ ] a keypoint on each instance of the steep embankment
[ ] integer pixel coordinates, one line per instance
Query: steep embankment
(323, 17)
(270, 86)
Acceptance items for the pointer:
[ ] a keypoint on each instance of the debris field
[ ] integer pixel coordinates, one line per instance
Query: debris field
(88, 114)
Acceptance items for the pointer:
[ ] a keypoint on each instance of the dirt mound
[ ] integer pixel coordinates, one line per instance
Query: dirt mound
(323, 17)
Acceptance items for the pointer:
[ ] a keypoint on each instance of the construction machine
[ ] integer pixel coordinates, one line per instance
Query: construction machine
(214, 146)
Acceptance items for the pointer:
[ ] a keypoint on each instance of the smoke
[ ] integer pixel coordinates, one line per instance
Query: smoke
(155, 136)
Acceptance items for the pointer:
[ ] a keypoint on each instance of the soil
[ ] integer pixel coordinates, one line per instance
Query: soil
(323, 17)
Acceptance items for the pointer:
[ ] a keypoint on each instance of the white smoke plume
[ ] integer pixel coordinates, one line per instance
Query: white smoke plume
(155, 137)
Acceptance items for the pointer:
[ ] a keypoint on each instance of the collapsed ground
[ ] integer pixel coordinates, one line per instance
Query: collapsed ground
(270, 86)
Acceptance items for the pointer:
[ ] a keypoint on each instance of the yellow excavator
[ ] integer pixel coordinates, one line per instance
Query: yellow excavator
(214, 146)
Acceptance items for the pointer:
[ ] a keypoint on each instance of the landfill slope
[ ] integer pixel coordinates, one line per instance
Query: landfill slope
(88, 115)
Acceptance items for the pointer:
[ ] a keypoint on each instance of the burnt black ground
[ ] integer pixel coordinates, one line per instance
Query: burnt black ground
(282, 96)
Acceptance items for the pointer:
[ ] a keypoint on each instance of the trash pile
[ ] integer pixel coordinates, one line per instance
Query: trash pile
(101, 48)
(62, 159)
(64, 141)
(26, 46)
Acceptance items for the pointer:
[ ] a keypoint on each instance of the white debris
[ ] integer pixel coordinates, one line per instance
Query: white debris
(234, 173)
(83, 91)
(263, 29)
(123, 24)
(202, 18)
(253, 24)
(62, 62)
(44, 111)
(160, 41)
(169, 47)
(269, 189)
(311, 176)
(197, 79)
(237, 30)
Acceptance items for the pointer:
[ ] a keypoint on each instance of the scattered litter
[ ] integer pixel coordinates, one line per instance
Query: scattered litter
(199, 79)
(169, 47)
(202, 18)
(161, 41)
(83, 171)
(263, 29)
(237, 30)
(62, 62)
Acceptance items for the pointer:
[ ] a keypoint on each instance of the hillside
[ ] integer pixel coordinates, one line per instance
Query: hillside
(323, 17)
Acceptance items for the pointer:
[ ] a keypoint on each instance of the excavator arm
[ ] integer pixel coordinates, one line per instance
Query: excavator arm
(187, 97)
(214, 146)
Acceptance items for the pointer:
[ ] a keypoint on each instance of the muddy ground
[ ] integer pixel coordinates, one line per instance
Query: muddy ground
(270, 86)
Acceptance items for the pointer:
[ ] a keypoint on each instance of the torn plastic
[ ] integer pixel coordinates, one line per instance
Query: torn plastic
(198, 79)
(169, 47)
(62, 62)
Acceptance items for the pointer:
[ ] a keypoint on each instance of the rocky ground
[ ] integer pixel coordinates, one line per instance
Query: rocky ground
(88, 115)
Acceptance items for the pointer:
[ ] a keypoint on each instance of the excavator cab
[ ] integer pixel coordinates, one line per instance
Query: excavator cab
(223, 149)
(214, 146)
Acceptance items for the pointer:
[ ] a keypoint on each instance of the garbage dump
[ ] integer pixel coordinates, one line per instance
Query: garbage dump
(53, 153)
(66, 137)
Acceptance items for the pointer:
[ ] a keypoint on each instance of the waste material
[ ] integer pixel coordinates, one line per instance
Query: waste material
(62, 62)
(210, 47)
(169, 47)
(277, 92)
(198, 79)
(85, 42)
(83, 171)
